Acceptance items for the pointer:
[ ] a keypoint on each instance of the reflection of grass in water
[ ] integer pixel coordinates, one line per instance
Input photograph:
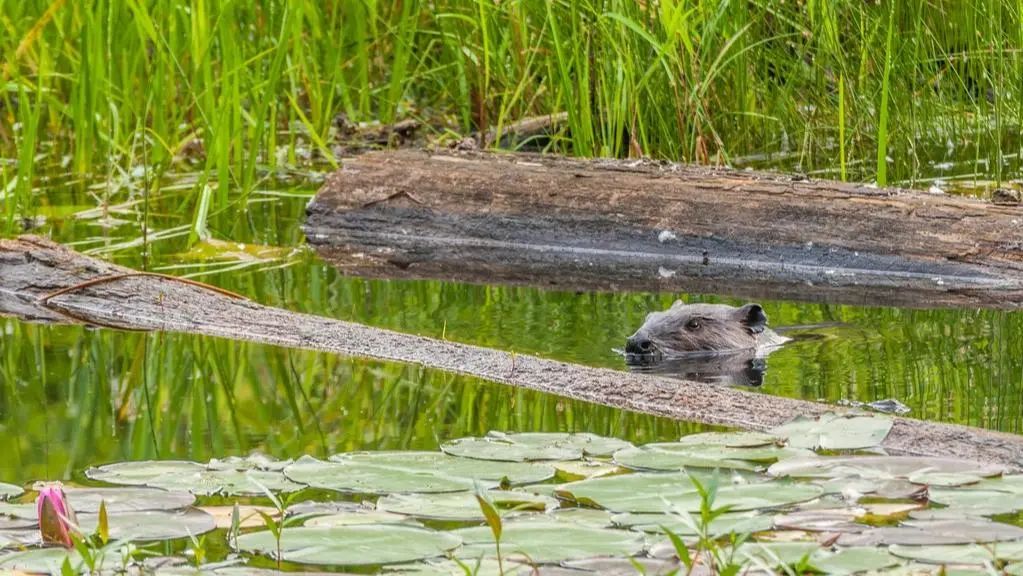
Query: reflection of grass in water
(259, 84)
(71, 397)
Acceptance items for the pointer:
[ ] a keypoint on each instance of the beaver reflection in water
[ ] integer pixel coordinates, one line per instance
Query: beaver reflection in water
(706, 342)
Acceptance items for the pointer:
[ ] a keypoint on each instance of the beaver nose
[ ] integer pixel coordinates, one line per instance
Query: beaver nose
(638, 345)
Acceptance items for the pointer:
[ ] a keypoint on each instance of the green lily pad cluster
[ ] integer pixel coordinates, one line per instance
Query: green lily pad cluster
(251, 476)
(420, 512)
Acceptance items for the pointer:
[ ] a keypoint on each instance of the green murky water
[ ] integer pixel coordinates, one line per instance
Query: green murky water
(71, 397)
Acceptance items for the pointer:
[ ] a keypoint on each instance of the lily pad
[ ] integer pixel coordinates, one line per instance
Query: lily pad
(8, 491)
(40, 560)
(87, 500)
(533, 446)
(248, 516)
(947, 479)
(410, 472)
(579, 469)
(979, 502)
(50, 560)
(311, 508)
(26, 511)
(776, 553)
(852, 488)
(730, 439)
(644, 492)
(585, 516)
(919, 532)
(961, 553)
(739, 523)
(252, 462)
(1012, 484)
(622, 566)
(829, 520)
(461, 506)
(674, 456)
(152, 525)
(544, 542)
(879, 467)
(140, 473)
(361, 518)
(352, 545)
(844, 561)
(835, 431)
(238, 477)
(853, 560)
(481, 567)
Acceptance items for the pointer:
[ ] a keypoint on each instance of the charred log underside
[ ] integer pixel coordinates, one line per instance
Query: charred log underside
(33, 269)
(616, 225)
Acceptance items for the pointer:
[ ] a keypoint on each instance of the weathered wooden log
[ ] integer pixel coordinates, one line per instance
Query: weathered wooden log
(44, 281)
(618, 225)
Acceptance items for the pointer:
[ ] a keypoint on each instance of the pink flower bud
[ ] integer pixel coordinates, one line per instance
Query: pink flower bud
(56, 518)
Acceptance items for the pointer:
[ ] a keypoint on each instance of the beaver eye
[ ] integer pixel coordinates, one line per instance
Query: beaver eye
(693, 324)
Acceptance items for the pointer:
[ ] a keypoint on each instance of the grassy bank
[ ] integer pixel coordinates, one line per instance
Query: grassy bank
(869, 91)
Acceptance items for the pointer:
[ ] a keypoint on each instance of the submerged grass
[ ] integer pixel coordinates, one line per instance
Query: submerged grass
(246, 87)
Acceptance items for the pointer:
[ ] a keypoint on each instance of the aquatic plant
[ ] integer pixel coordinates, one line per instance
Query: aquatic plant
(57, 521)
(235, 91)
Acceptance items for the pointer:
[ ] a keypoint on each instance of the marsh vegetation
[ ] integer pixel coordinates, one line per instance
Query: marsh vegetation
(186, 138)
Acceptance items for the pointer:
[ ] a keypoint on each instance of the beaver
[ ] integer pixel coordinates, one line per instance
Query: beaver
(698, 329)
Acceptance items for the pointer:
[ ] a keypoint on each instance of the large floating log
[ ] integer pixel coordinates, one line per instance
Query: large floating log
(44, 281)
(618, 225)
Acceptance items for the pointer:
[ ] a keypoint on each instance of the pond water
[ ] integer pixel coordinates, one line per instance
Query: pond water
(71, 397)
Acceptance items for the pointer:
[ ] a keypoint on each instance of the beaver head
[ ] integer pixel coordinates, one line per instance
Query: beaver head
(707, 328)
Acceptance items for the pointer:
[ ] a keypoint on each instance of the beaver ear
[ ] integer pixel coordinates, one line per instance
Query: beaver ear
(752, 315)
(677, 304)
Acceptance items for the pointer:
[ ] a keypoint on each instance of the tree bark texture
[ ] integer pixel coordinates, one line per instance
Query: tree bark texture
(617, 225)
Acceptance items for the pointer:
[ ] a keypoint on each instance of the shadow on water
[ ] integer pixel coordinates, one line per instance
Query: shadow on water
(71, 396)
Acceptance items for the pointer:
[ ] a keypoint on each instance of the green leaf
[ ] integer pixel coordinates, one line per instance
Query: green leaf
(352, 545)
(647, 492)
(533, 446)
(8, 491)
(879, 467)
(961, 554)
(41, 560)
(354, 518)
(410, 472)
(103, 524)
(116, 500)
(730, 439)
(549, 541)
(675, 456)
(977, 502)
(738, 522)
(680, 547)
(853, 560)
(232, 476)
(151, 525)
(917, 532)
(271, 523)
(462, 506)
(492, 517)
(835, 432)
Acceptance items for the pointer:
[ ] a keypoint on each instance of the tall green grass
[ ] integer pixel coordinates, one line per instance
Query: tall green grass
(704, 81)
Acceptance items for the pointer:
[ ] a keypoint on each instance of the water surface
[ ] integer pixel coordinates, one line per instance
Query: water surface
(72, 396)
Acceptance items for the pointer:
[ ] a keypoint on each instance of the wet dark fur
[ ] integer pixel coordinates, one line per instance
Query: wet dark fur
(687, 328)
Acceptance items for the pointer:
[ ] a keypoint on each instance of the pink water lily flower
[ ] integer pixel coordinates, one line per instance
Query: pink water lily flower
(57, 520)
